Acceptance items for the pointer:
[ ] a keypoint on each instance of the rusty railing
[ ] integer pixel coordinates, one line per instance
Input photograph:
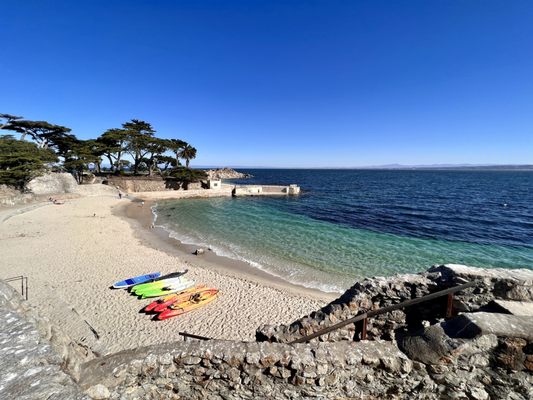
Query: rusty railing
(364, 316)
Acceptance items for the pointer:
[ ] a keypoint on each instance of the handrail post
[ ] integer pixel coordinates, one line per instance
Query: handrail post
(449, 306)
(363, 332)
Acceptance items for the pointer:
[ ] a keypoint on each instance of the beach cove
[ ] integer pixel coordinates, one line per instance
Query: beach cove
(73, 252)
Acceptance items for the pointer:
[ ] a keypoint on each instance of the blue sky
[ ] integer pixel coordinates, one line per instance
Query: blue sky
(282, 83)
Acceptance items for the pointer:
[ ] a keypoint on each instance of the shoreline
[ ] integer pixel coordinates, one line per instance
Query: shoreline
(72, 254)
(158, 238)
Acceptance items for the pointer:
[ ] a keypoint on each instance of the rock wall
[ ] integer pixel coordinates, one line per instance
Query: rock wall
(137, 184)
(235, 370)
(37, 361)
(148, 184)
(374, 293)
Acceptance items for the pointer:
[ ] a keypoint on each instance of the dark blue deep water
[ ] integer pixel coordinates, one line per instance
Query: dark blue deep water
(350, 223)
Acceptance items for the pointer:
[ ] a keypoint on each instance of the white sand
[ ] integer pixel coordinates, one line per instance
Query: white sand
(72, 257)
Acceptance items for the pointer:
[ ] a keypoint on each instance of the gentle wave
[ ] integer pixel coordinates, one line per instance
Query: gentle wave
(224, 252)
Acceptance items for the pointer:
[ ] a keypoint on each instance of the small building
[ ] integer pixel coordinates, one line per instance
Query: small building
(214, 183)
(294, 189)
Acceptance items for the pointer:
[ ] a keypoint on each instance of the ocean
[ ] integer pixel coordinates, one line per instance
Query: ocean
(349, 224)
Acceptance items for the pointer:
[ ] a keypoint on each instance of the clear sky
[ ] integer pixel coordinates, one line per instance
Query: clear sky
(282, 83)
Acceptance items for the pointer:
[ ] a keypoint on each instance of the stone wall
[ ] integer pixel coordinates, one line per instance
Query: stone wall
(236, 370)
(37, 361)
(374, 293)
(134, 184)
(137, 184)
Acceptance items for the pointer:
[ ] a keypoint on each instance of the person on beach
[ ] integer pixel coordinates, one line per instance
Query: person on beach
(142, 203)
(120, 195)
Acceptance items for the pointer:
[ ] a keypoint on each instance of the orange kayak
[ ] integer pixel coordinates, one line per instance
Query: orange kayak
(162, 303)
(195, 301)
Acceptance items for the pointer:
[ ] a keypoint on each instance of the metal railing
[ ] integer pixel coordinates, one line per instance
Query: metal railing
(23, 284)
(191, 336)
(364, 316)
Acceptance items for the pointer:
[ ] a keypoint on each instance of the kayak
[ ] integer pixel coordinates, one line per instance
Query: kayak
(192, 304)
(126, 283)
(171, 275)
(182, 299)
(166, 301)
(139, 289)
(165, 290)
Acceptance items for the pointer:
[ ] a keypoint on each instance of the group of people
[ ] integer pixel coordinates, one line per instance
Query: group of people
(56, 201)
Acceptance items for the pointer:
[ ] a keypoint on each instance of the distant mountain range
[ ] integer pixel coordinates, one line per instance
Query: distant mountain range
(456, 166)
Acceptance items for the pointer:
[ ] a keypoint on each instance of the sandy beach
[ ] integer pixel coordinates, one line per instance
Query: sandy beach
(73, 252)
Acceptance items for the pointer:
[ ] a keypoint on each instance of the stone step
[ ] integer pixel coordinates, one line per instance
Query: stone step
(523, 308)
(469, 325)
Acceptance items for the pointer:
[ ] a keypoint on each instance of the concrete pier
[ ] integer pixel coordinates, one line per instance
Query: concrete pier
(265, 190)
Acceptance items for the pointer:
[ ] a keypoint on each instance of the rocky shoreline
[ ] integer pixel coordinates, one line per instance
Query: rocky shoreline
(226, 173)
(483, 351)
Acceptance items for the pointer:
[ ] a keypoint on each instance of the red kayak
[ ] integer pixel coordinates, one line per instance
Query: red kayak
(196, 301)
(162, 303)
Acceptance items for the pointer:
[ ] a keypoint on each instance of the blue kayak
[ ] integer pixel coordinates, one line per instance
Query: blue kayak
(126, 283)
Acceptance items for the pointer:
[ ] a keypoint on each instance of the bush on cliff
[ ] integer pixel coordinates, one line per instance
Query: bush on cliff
(21, 161)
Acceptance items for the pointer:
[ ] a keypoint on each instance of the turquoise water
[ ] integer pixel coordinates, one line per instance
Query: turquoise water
(278, 236)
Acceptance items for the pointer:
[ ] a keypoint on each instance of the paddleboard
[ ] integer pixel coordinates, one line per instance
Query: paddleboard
(126, 283)
(138, 289)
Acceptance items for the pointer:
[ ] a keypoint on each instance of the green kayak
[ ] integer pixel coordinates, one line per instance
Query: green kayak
(138, 289)
(164, 290)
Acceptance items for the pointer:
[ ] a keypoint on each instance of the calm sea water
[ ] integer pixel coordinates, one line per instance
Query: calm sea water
(349, 224)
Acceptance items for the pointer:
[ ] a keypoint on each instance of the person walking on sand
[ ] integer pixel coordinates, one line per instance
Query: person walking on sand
(120, 195)
(142, 203)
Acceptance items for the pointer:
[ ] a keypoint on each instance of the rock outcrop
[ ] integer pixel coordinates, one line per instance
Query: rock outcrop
(226, 173)
(61, 185)
(53, 183)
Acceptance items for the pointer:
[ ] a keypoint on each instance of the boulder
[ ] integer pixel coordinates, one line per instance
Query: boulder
(430, 346)
(524, 308)
(470, 325)
(53, 183)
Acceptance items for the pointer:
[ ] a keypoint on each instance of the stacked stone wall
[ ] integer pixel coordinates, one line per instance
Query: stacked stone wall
(236, 370)
(37, 361)
(375, 293)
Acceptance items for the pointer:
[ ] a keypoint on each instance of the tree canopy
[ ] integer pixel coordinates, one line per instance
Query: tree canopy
(42, 143)
(21, 161)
